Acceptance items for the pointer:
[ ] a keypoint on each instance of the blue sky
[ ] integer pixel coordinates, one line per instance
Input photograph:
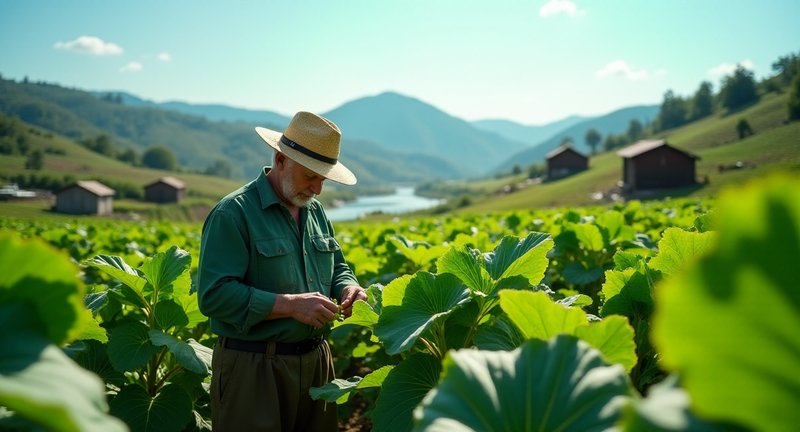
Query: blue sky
(532, 61)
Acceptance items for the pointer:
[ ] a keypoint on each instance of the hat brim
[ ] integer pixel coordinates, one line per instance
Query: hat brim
(336, 172)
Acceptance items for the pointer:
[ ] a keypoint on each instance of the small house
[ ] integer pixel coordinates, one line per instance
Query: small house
(565, 161)
(165, 190)
(654, 164)
(85, 197)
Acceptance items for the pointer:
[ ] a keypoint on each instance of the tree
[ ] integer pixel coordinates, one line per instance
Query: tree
(159, 157)
(102, 144)
(787, 67)
(794, 99)
(566, 141)
(739, 89)
(593, 138)
(703, 102)
(129, 156)
(517, 170)
(673, 111)
(220, 168)
(635, 130)
(35, 160)
(743, 129)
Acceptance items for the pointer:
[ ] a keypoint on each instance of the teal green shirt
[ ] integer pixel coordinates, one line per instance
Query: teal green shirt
(251, 250)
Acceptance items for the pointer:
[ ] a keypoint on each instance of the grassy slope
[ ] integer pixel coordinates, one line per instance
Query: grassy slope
(773, 147)
(84, 164)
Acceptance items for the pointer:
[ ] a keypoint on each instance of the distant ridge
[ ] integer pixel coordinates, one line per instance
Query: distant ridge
(612, 123)
(528, 134)
(408, 125)
(215, 112)
(387, 138)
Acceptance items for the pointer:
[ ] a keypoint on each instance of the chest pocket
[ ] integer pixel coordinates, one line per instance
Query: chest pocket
(324, 249)
(277, 265)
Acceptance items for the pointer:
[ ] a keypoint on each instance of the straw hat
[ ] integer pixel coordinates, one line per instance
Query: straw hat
(311, 141)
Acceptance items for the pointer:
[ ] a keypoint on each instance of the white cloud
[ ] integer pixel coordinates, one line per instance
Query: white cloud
(89, 45)
(555, 7)
(725, 69)
(164, 57)
(131, 67)
(621, 68)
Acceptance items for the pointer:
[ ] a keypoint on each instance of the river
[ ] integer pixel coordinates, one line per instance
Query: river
(401, 201)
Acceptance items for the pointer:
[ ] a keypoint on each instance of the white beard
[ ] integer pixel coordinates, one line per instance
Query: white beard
(293, 196)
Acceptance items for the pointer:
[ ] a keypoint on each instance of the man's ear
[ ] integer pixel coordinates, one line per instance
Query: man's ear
(280, 160)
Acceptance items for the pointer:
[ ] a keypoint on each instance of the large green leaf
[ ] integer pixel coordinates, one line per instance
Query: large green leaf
(426, 299)
(462, 263)
(129, 346)
(188, 302)
(730, 324)
(339, 389)
(614, 338)
(194, 357)
(575, 273)
(170, 410)
(362, 315)
(678, 248)
(41, 384)
(525, 257)
(627, 293)
(33, 272)
(402, 390)
(560, 384)
(169, 314)
(94, 358)
(498, 334)
(168, 271)
(589, 236)
(539, 317)
(117, 268)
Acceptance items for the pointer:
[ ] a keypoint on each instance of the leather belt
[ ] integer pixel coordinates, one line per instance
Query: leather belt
(281, 348)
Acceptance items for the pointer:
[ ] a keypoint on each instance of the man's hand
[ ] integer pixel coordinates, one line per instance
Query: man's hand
(312, 308)
(350, 294)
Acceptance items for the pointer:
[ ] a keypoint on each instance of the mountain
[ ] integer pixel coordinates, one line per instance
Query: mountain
(615, 122)
(133, 123)
(214, 112)
(409, 126)
(528, 134)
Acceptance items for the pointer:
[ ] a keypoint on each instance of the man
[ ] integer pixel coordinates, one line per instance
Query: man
(269, 269)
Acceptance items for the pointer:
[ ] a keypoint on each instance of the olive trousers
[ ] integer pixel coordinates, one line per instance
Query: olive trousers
(269, 392)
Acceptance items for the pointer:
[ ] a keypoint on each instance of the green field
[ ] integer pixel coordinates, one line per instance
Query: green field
(775, 146)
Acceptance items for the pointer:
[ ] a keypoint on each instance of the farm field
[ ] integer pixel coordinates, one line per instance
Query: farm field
(628, 316)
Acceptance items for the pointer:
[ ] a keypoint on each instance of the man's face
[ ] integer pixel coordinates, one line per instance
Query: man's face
(299, 184)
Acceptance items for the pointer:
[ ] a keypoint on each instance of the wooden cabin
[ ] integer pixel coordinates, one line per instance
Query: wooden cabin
(654, 164)
(565, 161)
(85, 197)
(165, 190)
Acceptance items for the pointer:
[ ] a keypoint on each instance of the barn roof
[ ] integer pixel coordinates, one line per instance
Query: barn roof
(562, 149)
(170, 181)
(641, 147)
(92, 186)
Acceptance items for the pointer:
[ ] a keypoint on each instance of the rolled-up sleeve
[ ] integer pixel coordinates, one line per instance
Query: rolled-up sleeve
(223, 265)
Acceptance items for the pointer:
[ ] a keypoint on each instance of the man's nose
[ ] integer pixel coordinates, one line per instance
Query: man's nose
(316, 186)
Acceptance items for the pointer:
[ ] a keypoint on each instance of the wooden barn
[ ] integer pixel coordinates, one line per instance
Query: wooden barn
(85, 197)
(565, 161)
(654, 164)
(165, 190)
